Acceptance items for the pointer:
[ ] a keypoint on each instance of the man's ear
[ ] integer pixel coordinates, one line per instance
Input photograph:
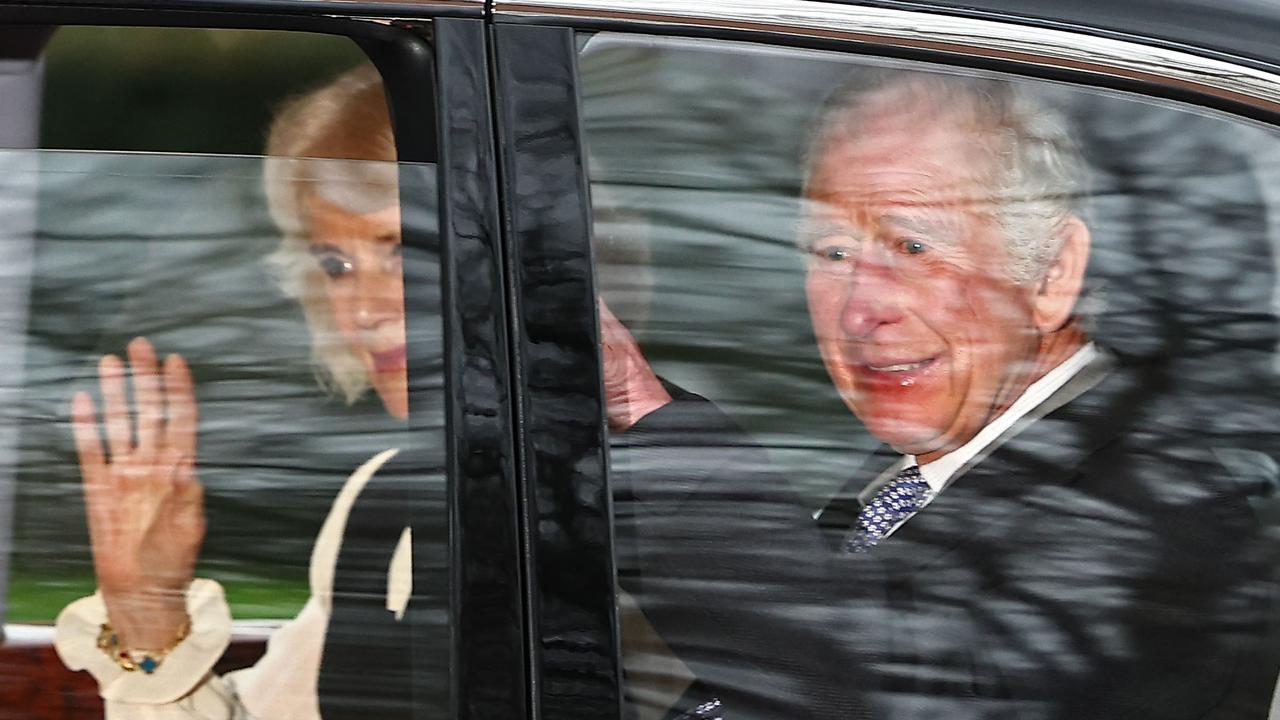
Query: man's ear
(1058, 290)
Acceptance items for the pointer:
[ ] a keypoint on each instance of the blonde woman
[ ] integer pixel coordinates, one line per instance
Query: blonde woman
(152, 633)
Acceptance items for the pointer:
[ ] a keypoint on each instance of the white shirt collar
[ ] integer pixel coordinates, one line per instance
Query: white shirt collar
(939, 472)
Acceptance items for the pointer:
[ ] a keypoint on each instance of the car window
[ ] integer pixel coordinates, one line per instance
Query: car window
(931, 390)
(231, 198)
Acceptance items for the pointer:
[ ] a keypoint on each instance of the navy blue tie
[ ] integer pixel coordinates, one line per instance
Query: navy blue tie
(896, 501)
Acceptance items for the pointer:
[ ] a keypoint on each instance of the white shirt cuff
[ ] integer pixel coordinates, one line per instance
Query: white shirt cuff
(182, 670)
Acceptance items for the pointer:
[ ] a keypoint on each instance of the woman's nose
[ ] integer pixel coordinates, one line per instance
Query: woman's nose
(379, 294)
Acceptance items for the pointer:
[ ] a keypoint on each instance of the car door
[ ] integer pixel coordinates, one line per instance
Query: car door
(660, 160)
(140, 203)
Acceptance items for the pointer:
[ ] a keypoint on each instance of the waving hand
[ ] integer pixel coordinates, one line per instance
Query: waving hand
(145, 505)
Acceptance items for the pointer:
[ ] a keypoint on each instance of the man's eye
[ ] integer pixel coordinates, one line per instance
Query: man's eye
(335, 266)
(912, 247)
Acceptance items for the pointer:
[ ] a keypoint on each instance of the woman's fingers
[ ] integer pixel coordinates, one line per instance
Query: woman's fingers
(95, 476)
(115, 410)
(84, 428)
(148, 396)
(164, 405)
(180, 400)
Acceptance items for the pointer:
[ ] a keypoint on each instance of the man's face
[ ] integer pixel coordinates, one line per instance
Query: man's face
(921, 331)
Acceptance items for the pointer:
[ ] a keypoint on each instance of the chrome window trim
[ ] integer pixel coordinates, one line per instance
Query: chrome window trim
(415, 3)
(1038, 46)
(408, 6)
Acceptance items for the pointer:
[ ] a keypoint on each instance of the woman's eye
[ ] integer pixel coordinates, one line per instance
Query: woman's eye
(912, 247)
(335, 266)
(834, 253)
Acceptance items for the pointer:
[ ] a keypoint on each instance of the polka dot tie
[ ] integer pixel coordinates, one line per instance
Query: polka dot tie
(893, 503)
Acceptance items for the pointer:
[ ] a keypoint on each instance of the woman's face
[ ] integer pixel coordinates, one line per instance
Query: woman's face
(359, 255)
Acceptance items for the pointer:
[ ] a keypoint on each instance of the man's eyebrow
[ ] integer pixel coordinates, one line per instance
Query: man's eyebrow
(811, 229)
(935, 223)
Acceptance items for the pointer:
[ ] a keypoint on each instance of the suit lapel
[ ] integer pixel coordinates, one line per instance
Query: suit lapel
(1046, 446)
(1026, 430)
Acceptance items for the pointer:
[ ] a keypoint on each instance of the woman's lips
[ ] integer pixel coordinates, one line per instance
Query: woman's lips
(389, 360)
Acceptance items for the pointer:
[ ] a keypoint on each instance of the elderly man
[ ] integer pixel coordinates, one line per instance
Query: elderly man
(1037, 546)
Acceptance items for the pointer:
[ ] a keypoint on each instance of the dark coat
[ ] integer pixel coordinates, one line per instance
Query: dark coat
(1094, 564)
(376, 665)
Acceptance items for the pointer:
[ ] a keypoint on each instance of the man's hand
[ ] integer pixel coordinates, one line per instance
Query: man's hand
(631, 390)
(145, 505)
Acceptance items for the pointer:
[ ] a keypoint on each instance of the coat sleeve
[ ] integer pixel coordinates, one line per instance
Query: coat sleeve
(725, 562)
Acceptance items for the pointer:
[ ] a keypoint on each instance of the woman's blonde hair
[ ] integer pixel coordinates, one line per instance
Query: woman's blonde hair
(335, 142)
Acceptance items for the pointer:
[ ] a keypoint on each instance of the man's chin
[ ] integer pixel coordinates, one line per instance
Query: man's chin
(906, 436)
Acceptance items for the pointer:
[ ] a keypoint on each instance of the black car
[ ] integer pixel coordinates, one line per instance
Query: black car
(656, 176)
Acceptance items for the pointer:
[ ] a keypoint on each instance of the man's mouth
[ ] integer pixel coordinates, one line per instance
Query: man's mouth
(893, 374)
(389, 360)
(899, 367)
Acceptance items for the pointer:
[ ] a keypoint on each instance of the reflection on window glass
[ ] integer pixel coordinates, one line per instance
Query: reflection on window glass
(932, 392)
(212, 398)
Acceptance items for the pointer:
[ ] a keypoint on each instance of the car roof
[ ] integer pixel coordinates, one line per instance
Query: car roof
(1246, 29)
(1231, 29)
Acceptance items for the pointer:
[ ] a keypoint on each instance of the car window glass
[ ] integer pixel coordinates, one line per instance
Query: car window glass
(182, 186)
(838, 268)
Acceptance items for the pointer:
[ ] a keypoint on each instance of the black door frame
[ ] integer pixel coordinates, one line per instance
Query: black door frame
(434, 61)
(573, 642)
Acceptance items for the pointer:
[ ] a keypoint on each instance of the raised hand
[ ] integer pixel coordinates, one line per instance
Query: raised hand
(145, 505)
(631, 389)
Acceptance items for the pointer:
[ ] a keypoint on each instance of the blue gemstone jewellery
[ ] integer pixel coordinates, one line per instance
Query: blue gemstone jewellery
(133, 660)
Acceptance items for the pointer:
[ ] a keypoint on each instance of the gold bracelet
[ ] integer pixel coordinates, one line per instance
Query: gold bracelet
(130, 660)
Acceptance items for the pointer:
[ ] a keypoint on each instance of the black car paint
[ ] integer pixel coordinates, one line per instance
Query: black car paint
(488, 609)
(573, 623)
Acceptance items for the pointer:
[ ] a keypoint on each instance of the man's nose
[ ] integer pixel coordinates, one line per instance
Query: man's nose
(871, 300)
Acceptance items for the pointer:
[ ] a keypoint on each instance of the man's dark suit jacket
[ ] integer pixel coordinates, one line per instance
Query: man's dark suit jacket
(1095, 563)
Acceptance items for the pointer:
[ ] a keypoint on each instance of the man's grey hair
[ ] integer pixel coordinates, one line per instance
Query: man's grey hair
(1037, 177)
